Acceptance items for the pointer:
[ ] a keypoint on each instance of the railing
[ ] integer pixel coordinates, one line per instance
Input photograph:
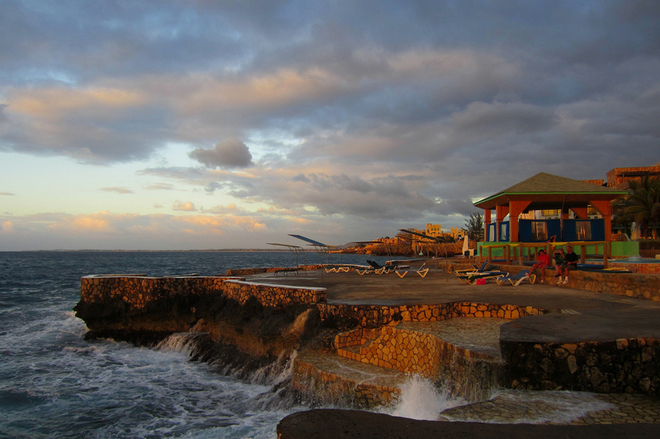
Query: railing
(516, 250)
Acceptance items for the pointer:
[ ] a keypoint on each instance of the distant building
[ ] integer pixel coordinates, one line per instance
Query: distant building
(618, 178)
(457, 233)
(434, 230)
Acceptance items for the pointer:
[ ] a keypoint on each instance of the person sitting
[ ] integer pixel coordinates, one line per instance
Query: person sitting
(542, 264)
(570, 263)
(559, 262)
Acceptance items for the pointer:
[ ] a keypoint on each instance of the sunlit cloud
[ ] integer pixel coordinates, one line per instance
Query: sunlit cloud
(58, 103)
(186, 206)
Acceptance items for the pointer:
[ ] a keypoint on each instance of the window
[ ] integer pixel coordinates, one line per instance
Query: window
(583, 230)
(504, 231)
(539, 231)
(491, 233)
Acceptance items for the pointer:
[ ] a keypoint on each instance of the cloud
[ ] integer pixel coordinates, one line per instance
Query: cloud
(107, 230)
(186, 206)
(119, 190)
(356, 121)
(7, 193)
(501, 118)
(161, 187)
(231, 153)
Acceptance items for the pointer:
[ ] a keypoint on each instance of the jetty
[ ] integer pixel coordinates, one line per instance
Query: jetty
(359, 338)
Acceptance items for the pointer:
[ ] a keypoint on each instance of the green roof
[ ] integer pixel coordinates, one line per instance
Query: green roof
(546, 184)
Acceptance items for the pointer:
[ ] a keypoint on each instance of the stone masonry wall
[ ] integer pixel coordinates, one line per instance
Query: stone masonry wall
(376, 316)
(138, 291)
(468, 373)
(625, 365)
(621, 284)
(639, 268)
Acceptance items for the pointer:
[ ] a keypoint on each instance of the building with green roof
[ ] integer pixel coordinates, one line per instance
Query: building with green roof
(549, 192)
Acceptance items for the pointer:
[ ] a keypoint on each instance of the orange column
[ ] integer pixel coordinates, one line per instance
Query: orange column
(516, 208)
(487, 213)
(605, 209)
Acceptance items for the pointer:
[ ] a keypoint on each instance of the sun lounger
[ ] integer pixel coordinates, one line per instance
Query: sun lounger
(472, 278)
(472, 270)
(421, 271)
(382, 269)
(517, 279)
(338, 268)
(485, 268)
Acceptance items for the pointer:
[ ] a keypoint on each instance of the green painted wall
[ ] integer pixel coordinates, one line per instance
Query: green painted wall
(619, 249)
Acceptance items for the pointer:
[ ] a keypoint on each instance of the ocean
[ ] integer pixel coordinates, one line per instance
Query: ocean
(55, 384)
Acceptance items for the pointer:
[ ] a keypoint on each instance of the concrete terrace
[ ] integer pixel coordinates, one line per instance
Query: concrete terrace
(573, 315)
(572, 319)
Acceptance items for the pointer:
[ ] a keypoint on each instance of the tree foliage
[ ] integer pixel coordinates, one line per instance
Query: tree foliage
(474, 227)
(641, 205)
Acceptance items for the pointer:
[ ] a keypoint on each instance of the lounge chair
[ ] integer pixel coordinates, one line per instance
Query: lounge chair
(338, 268)
(363, 269)
(485, 267)
(472, 278)
(421, 271)
(380, 269)
(471, 270)
(517, 279)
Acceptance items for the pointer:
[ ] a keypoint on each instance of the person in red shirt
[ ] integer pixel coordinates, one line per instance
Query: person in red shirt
(542, 264)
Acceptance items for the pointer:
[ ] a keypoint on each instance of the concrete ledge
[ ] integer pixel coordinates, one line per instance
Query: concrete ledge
(345, 424)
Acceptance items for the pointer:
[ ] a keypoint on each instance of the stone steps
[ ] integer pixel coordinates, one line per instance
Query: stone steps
(463, 352)
(334, 379)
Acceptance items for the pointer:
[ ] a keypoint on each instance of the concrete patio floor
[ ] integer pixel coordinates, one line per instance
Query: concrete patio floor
(573, 315)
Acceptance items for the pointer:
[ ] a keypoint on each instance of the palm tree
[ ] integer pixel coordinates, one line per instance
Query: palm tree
(641, 205)
(474, 227)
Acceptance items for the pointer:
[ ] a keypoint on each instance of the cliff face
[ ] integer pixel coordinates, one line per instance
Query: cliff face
(241, 323)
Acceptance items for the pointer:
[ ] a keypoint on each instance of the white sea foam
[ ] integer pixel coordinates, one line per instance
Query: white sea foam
(421, 400)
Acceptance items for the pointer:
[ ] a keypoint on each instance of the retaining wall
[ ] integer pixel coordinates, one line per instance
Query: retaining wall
(138, 291)
(625, 365)
(372, 316)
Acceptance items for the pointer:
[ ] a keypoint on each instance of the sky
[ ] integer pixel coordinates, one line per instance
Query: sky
(206, 124)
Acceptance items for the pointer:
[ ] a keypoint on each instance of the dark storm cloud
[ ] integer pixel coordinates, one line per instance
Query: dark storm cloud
(231, 153)
(390, 109)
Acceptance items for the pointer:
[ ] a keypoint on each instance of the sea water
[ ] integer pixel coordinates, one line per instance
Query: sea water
(53, 383)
